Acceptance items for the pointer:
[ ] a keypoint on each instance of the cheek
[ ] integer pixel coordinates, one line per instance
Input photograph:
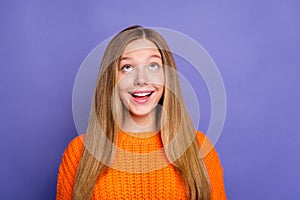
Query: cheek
(161, 91)
(160, 87)
(123, 97)
(124, 83)
(121, 89)
(158, 79)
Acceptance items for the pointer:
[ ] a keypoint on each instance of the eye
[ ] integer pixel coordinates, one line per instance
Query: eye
(154, 66)
(127, 68)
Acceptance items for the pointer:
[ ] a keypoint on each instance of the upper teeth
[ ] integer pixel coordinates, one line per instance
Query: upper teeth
(142, 94)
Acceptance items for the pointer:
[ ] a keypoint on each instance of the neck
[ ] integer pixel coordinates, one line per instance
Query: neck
(138, 124)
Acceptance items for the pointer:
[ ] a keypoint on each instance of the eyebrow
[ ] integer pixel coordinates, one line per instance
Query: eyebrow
(152, 56)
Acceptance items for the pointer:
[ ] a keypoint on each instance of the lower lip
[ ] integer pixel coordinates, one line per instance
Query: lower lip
(141, 100)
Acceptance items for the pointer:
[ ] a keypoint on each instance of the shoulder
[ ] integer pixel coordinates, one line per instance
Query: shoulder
(207, 150)
(200, 137)
(71, 157)
(205, 144)
(77, 141)
(68, 167)
(74, 149)
(213, 165)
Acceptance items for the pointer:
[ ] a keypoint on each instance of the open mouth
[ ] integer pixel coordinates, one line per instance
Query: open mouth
(141, 97)
(142, 94)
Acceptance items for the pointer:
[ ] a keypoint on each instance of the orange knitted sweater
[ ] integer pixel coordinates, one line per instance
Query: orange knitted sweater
(157, 179)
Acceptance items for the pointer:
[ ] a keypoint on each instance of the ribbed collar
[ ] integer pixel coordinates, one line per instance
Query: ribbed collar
(134, 142)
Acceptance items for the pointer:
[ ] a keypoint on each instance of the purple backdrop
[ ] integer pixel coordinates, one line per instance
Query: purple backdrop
(255, 44)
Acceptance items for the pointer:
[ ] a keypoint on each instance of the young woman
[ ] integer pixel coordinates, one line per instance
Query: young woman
(140, 142)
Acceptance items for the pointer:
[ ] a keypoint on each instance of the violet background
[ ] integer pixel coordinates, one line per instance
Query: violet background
(255, 45)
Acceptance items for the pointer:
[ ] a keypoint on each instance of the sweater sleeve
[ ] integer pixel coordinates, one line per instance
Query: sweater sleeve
(67, 169)
(214, 168)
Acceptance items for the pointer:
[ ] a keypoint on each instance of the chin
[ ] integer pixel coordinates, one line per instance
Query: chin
(141, 112)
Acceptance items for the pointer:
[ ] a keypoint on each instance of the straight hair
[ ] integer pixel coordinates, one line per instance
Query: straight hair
(175, 120)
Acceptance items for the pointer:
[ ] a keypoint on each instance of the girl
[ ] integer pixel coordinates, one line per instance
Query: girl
(140, 142)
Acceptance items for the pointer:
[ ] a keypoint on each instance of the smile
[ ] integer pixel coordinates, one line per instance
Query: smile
(142, 94)
(141, 97)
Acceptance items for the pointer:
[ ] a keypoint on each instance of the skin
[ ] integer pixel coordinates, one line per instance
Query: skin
(140, 72)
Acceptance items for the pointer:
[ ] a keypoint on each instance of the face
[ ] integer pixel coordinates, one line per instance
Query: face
(140, 77)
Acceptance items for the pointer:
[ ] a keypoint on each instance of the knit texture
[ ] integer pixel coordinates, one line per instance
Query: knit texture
(140, 171)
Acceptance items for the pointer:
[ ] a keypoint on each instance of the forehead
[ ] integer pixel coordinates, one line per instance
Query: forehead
(140, 45)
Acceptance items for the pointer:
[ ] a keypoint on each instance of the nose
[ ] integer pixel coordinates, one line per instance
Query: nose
(141, 77)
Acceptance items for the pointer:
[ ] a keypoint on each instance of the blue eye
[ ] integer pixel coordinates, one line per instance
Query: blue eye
(127, 68)
(154, 66)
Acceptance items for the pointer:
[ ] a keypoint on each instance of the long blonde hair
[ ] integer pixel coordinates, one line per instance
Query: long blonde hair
(102, 127)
